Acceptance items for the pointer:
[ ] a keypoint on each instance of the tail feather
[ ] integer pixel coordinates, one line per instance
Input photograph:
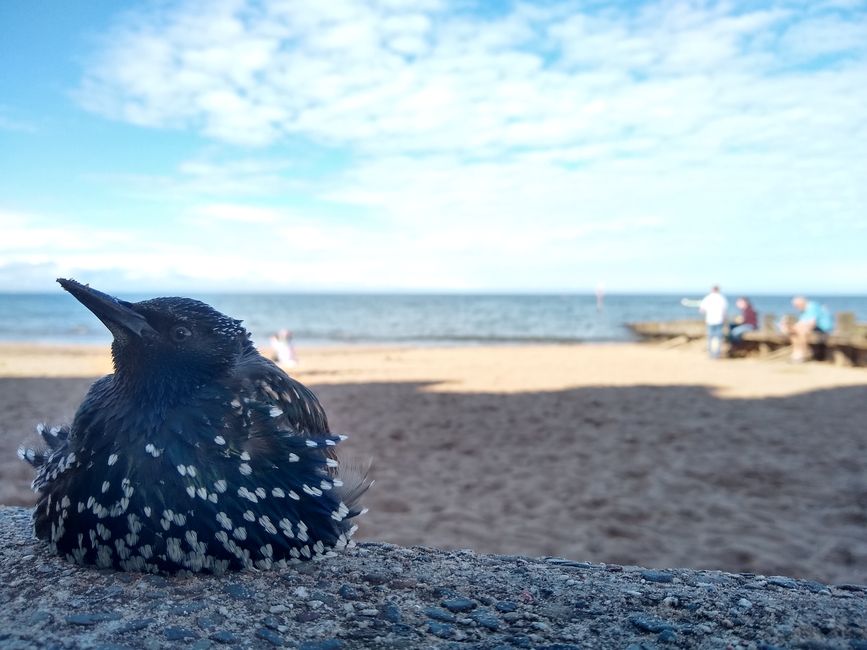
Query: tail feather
(47, 459)
(54, 437)
(35, 458)
(356, 481)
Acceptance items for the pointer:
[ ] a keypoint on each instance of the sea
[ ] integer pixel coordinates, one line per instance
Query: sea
(412, 319)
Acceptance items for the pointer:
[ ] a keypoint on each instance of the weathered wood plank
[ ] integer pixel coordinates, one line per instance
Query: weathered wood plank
(846, 346)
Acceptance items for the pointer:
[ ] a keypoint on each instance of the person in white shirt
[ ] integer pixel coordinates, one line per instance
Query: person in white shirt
(714, 306)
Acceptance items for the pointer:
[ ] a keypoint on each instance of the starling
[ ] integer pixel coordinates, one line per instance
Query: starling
(197, 454)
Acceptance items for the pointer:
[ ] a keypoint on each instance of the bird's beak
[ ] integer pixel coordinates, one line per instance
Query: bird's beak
(117, 315)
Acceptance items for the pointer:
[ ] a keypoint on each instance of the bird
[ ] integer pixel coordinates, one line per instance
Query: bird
(196, 454)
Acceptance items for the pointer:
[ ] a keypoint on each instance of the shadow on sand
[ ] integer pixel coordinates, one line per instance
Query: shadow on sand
(657, 476)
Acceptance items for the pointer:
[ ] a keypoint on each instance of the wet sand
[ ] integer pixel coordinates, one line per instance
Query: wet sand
(608, 453)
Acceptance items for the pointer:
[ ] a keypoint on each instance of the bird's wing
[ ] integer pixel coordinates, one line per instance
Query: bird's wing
(263, 465)
(250, 412)
(270, 391)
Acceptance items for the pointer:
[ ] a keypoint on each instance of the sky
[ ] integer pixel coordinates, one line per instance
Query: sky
(427, 145)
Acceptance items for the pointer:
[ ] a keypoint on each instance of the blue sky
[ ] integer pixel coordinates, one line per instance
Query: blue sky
(282, 145)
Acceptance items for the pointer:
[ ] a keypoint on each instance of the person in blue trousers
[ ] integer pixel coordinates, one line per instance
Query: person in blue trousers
(714, 307)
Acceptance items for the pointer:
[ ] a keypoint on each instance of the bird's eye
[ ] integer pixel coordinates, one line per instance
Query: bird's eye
(181, 333)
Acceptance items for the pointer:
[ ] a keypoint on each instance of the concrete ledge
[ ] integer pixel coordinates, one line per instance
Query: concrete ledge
(384, 596)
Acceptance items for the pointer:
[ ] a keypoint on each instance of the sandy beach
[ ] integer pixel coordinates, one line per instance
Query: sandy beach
(623, 453)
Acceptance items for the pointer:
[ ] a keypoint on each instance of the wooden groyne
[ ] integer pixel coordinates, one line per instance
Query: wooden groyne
(846, 345)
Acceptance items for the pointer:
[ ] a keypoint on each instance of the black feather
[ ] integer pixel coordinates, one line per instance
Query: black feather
(196, 454)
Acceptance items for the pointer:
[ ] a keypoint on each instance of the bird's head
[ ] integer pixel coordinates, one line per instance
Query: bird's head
(171, 343)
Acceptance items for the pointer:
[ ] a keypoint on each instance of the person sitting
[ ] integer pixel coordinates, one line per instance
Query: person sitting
(814, 318)
(284, 351)
(748, 321)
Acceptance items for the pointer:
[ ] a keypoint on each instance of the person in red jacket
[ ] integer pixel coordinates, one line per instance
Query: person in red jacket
(748, 321)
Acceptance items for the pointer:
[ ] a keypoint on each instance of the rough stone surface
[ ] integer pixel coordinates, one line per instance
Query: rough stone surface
(382, 596)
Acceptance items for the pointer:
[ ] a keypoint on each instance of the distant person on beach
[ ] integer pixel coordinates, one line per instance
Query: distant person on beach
(748, 321)
(284, 351)
(814, 318)
(714, 306)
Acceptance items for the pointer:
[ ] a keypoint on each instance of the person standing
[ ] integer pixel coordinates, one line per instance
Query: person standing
(714, 307)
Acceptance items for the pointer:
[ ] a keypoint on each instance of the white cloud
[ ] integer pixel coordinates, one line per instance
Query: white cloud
(234, 213)
(574, 139)
(29, 234)
(827, 35)
(208, 177)
(9, 121)
(540, 78)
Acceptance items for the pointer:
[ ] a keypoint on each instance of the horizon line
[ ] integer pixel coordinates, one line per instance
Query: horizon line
(449, 292)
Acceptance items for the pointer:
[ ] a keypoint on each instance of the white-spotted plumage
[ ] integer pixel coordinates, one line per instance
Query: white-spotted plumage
(167, 455)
